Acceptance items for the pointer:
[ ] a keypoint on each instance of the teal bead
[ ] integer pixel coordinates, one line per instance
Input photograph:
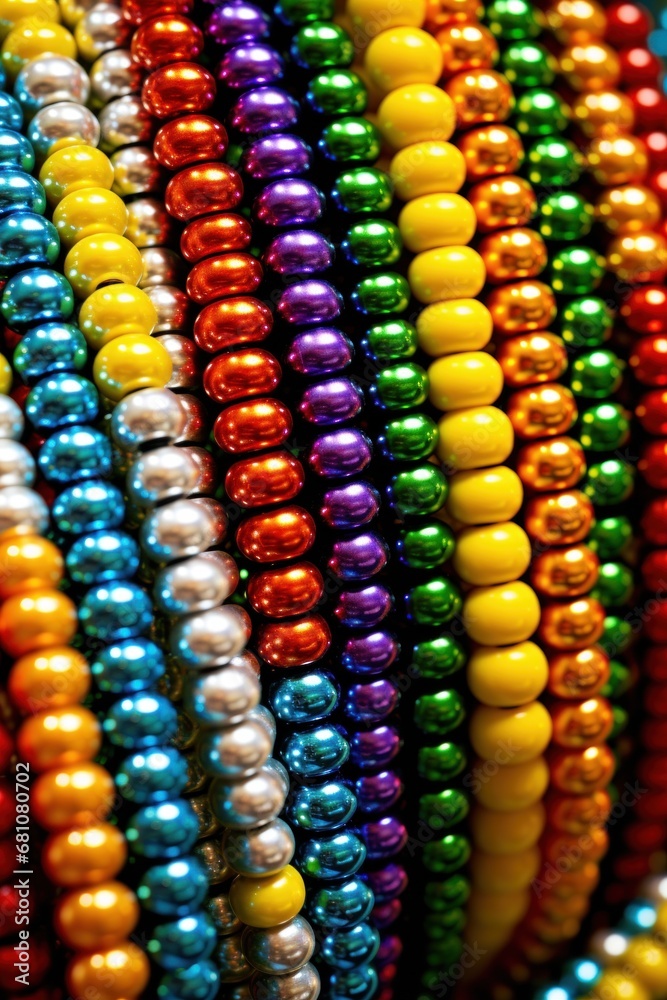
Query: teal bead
(609, 482)
(308, 698)
(315, 753)
(418, 491)
(610, 537)
(354, 984)
(439, 927)
(118, 610)
(183, 941)
(37, 295)
(351, 947)
(451, 892)
(152, 775)
(101, 557)
(577, 270)
(540, 112)
(433, 659)
(165, 830)
(173, 889)
(304, 11)
(195, 981)
(513, 20)
(75, 453)
(16, 151)
(62, 399)
(438, 714)
(50, 348)
(446, 856)
(616, 636)
(586, 322)
(11, 115)
(554, 163)
(528, 64)
(615, 585)
(375, 243)
(338, 856)
(441, 810)
(391, 340)
(336, 92)
(564, 216)
(409, 438)
(427, 546)
(604, 427)
(363, 190)
(381, 294)
(89, 506)
(596, 374)
(318, 45)
(26, 239)
(321, 807)
(441, 763)
(341, 905)
(19, 191)
(401, 386)
(434, 602)
(350, 140)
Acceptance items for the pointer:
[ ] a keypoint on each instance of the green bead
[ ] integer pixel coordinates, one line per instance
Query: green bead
(528, 64)
(401, 386)
(303, 11)
(609, 482)
(442, 896)
(443, 857)
(438, 714)
(419, 491)
(620, 680)
(350, 140)
(614, 586)
(441, 927)
(434, 659)
(586, 322)
(576, 271)
(441, 763)
(616, 636)
(609, 537)
(363, 190)
(337, 92)
(540, 112)
(621, 719)
(513, 20)
(320, 44)
(564, 216)
(392, 340)
(596, 374)
(604, 427)
(382, 293)
(441, 957)
(434, 603)
(554, 163)
(410, 438)
(426, 547)
(441, 810)
(375, 243)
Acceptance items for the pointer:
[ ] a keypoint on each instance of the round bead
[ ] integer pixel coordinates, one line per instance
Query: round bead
(131, 362)
(416, 113)
(403, 55)
(266, 901)
(446, 273)
(502, 614)
(463, 380)
(124, 965)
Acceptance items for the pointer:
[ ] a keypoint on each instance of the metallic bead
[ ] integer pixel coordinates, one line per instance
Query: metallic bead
(233, 22)
(164, 830)
(304, 984)
(99, 30)
(211, 638)
(22, 507)
(248, 802)
(197, 584)
(170, 473)
(173, 307)
(114, 75)
(48, 348)
(378, 792)
(321, 807)
(183, 941)
(315, 753)
(11, 115)
(148, 223)
(222, 697)
(61, 399)
(183, 353)
(64, 121)
(117, 610)
(11, 419)
(90, 506)
(50, 80)
(238, 750)
(15, 151)
(174, 889)
(261, 851)
(77, 452)
(36, 295)
(122, 122)
(351, 947)
(304, 699)
(197, 979)
(341, 905)
(275, 156)
(27, 238)
(136, 171)
(153, 775)
(149, 416)
(225, 920)
(102, 557)
(230, 960)
(209, 853)
(161, 267)
(183, 528)
(279, 950)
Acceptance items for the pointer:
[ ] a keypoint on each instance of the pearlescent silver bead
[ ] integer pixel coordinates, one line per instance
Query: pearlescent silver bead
(50, 79)
(173, 308)
(102, 26)
(161, 267)
(170, 473)
(249, 802)
(262, 851)
(22, 507)
(608, 945)
(185, 356)
(197, 584)
(11, 419)
(209, 853)
(113, 75)
(237, 751)
(17, 466)
(147, 417)
(62, 120)
(135, 171)
(183, 528)
(304, 984)
(230, 960)
(211, 638)
(279, 950)
(221, 697)
(225, 920)
(124, 121)
(148, 223)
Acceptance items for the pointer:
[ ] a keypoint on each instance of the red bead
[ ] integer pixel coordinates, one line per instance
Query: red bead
(201, 189)
(275, 478)
(139, 11)
(644, 837)
(39, 963)
(175, 89)
(264, 423)
(654, 734)
(654, 521)
(632, 869)
(290, 590)
(188, 140)
(653, 464)
(650, 107)
(627, 24)
(215, 234)
(387, 913)
(282, 534)
(235, 321)
(166, 39)
(654, 664)
(7, 857)
(7, 807)
(652, 805)
(252, 372)
(645, 310)
(294, 644)
(10, 902)
(652, 770)
(652, 412)
(656, 145)
(639, 66)
(654, 571)
(655, 623)
(220, 277)
(649, 360)
(655, 694)
(658, 184)
(6, 749)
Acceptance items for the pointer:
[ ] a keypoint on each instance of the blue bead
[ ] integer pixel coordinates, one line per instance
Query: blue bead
(316, 753)
(155, 775)
(118, 610)
(51, 347)
(200, 981)
(101, 557)
(164, 830)
(11, 115)
(341, 906)
(128, 666)
(78, 452)
(338, 856)
(20, 191)
(321, 807)
(16, 151)
(175, 888)
(62, 399)
(34, 296)
(638, 917)
(304, 699)
(181, 942)
(581, 974)
(355, 984)
(351, 947)
(141, 720)
(90, 506)
(27, 238)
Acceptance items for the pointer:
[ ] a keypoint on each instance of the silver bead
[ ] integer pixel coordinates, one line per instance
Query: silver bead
(114, 74)
(124, 121)
(63, 120)
(17, 466)
(608, 945)
(304, 984)
(148, 223)
(209, 853)
(279, 950)
(249, 802)
(183, 528)
(22, 507)
(170, 473)
(135, 171)
(161, 267)
(196, 427)
(72, 11)
(147, 417)
(230, 960)
(211, 638)
(222, 697)
(173, 308)
(259, 852)
(184, 355)
(220, 911)
(103, 28)
(237, 751)
(11, 419)
(50, 79)
(654, 888)
(197, 584)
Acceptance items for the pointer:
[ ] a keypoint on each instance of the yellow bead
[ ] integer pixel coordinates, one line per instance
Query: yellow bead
(615, 985)
(31, 38)
(73, 10)
(505, 874)
(74, 169)
(427, 168)
(90, 44)
(458, 325)
(650, 962)
(95, 260)
(516, 787)
(487, 939)
(466, 379)
(371, 16)
(115, 310)
(660, 924)
(496, 553)
(525, 731)
(265, 902)
(485, 496)
(501, 615)
(437, 220)
(474, 438)
(509, 675)
(131, 362)
(416, 113)
(88, 213)
(505, 834)
(12, 11)
(401, 56)
(498, 911)
(454, 272)
(6, 376)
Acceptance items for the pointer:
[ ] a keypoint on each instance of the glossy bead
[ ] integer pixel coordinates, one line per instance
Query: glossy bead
(231, 23)
(474, 437)
(605, 111)
(514, 788)
(505, 201)
(53, 678)
(416, 113)
(609, 482)
(491, 150)
(84, 855)
(96, 918)
(420, 491)
(299, 253)
(153, 775)
(164, 830)
(294, 644)
(409, 438)
(97, 259)
(488, 495)
(250, 64)
(492, 555)
(464, 380)
(124, 965)
(263, 902)
(264, 110)
(131, 362)
(638, 259)
(446, 273)
(334, 92)
(507, 676)
(288, 533)
(502, 614)
(59, 737)
(479, 96)
(34, 296)
(177, 89)
(403, 55)
(166, 39)
(73, 794)
(31, 39)
(528, 728)
(522, 306)
(199, 189)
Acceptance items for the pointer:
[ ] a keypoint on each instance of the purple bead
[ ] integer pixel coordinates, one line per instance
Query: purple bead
(388, 883)
(371, 702)
(318, 352)
(298, 253)
(266, 109)
(374, 748)
(250, 65)
(310, 301)
(384, 837)
(386, 915)
(340, 453)
(290, 202)
(378, 792)
(331, 402)
(277, 156)
(370, 653)
(237, 21)
(391, 949)
(350, 506)
(363, 608)
(359, 557)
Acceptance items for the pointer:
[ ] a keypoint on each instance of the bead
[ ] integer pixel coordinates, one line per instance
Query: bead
(158, 774)
(58, 737)
(222, 697)
(416, 113)
(480, 95)
(349, 506)
(199, 189)
(362, 189)
(166, 39)
(522, 668)
(403, 55)
(502, 614)
(289, 533)
(491, 150)
(236, 320)
(419, 491)
(124, 966)
(587, 322)
(231, 23)
(294, 644)
(276, 156)
(301, 253)
(409, 438)
(31, 38)
(189, 140)
(435, 221)
(280, 950)
(474, 437)
(339, 855)
(497, 554)
(54, 678)
(197, 979)
(183, 941)
(638, 259)
(250, 64)
(165, 830)
(22, 508)
(522, 306)
(334, 92)
(131, 362)
(269, 900)
(20, 191)
(628, 209)
(72, 795)
(98, 259)
(260, 852)
(264, 110)
(35, 620)
(446, 273)
(84, 855)
(75, 168)
(303, 984)
(514, 788)
(210, 638)
(527, 728)
(36, 295)
(488, 495)
(275, 478)
(96, 918)
(178, 88)
(456, 325)
(463, 380)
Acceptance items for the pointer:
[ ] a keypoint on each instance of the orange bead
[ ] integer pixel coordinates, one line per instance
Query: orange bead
(254, 426)
(274, 478)
(521, 307)
(542, 411)
(480, 95)
(234, 321)
(290, 590)
(439, 12)
(592, 847)
(491, 150)
(97, 917)
(559, 519)
(73, 795)
(628, 209)
(580, 674)
(582, 724)
(138, 11)
(575, 814)
(166, 39)
(582, 772)
(59, 737)
(590, 66)
(604, 112)
(215, 234)
(51, 678)
(178, 88)
(201, 189)
(572, 625)
(558, 910)
(580, 881)
(554, 934)
(251, 372)
(37, 619)
(190, 139)
(28, 563)
(516, 253)
(84, 855)
(576, 20)
(617, 159)
(502, 201)
(283, 534)
(638, 257)
(566, 572)
(531, 358)
(122, 971)
(294, 644)
(551, 465)
(466, 46)
(219, 277)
